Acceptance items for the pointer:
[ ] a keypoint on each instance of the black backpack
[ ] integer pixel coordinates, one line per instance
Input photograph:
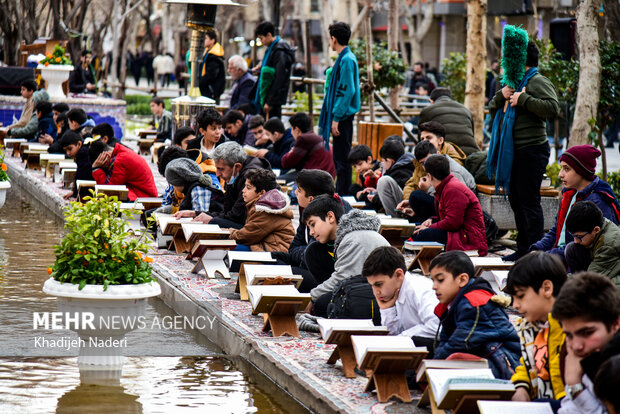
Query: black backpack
(490, 227)
(353, 299)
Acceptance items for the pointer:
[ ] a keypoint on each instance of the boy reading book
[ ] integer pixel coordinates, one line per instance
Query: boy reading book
(71, 142)
(345, 239)
(369, 171)
(471, 317)
(268, 227)
(588, 308)
(534, 282)
(406, 301)
(310, 184)
(596, 245)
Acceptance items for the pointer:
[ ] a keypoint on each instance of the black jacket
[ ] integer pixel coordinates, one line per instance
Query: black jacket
(212, 84)
(234, 206)
(281, 59)
(79, 78)
(402, 170)
(84, 167)
(279, 149)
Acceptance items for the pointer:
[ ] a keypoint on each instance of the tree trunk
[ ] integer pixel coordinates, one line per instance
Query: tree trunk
(589, 71)
(612, 19)
(418, 25)
(476, 63)
(393, 32)
(326, 13)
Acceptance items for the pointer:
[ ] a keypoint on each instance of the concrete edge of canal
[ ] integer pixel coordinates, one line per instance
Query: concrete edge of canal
(229, 339)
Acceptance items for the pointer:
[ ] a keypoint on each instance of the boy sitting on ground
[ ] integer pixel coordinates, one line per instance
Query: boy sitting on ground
(269, 226)
(209, 124)
(421, 203)
(71, 143)
(310, 184)
(534, 282)
(307, 152)
(119, 165)
(345, 239)
(471, 319)
(397, 169)
(596, 245)
(360, 157)
(281, 141)
(406, 301)
(192, 189)
(458, 223)
(237, 128)
(256, 126)
(588, 308)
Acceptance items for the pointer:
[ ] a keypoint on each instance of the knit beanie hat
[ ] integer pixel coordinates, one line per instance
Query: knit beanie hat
(182, 171)
(582, 158)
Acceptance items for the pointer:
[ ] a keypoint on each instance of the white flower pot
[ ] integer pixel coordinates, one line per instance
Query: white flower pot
(118, 302)
(55, 75)
(4, 187)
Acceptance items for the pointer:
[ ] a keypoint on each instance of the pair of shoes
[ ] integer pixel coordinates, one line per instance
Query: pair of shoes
(513, 257)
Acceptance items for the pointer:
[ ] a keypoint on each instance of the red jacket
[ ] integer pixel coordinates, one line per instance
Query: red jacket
(460, 215)
(130, 169)
(309, 153)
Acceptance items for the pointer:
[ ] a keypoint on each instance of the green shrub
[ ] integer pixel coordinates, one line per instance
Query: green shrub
(140, 104)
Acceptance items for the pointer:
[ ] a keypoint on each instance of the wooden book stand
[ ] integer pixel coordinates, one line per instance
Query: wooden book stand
(33, 161)
(483, 264)
(178, 240)
(424, 257)
(150, 203)
(281, 318)
(242, 280)
(121, 195)
(344, 349)
(388, 376)
(145, 144)
(212, 261)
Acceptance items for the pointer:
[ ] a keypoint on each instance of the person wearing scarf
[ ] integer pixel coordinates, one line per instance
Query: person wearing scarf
(341, 103)
(271, 89)
(519, 151)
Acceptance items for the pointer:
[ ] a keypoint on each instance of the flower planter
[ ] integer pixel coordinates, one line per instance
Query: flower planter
(98, 349)
(4, 187)
(55, 75)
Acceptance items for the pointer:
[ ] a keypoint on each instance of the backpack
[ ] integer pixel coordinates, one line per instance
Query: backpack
(490, 227)
(353, 299)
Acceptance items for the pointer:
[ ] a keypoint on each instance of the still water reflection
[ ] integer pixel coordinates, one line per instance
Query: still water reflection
(203, 380)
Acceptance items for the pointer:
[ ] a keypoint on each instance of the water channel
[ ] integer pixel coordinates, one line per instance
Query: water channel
(192, 376)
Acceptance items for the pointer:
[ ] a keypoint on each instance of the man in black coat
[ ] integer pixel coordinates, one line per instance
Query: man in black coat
(279, 56)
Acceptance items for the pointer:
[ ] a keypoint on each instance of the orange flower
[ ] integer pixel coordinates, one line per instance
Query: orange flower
(139, 254)
(148, 259)
(78, 252)
(106, 245)
(100, 260)
(4, 167)
(49, 55)
(49, 270)
(57, 59)
(47, 63)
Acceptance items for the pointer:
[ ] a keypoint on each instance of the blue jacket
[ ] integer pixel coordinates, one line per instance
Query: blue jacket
(279, 149)
(475, 324)
(241, 92)
(46, 126)
(347, 101)
(599, 192)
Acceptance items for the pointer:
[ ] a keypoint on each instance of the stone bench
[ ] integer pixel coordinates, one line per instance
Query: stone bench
(497, 205)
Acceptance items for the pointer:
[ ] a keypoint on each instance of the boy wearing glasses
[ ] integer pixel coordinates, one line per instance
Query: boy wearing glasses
(596, 245)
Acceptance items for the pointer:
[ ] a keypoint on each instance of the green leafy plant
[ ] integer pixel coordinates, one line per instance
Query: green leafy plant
(3, 175)
(455, 75)
(563, 74)
(388, 67)
(300, 100)
(98, 248)
(57, 57)
(613, 179)
(552, 173)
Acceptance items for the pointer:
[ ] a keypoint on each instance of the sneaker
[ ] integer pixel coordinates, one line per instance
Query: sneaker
(513, 257)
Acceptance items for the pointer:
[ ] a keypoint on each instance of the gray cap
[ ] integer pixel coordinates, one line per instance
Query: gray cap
(182, 171)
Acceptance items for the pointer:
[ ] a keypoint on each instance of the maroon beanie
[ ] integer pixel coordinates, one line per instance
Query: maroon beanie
(582, 158)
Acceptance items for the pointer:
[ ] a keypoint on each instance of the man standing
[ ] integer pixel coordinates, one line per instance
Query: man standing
(271, 89)
(532, 104)
(212, 71)
(82, 79)
(243, 81)
(342, 102)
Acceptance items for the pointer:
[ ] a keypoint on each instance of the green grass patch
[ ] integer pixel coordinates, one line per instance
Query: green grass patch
(139, 104)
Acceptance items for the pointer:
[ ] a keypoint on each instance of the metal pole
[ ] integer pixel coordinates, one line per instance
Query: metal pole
(369, 65)
(308, 70)
(276, 16)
